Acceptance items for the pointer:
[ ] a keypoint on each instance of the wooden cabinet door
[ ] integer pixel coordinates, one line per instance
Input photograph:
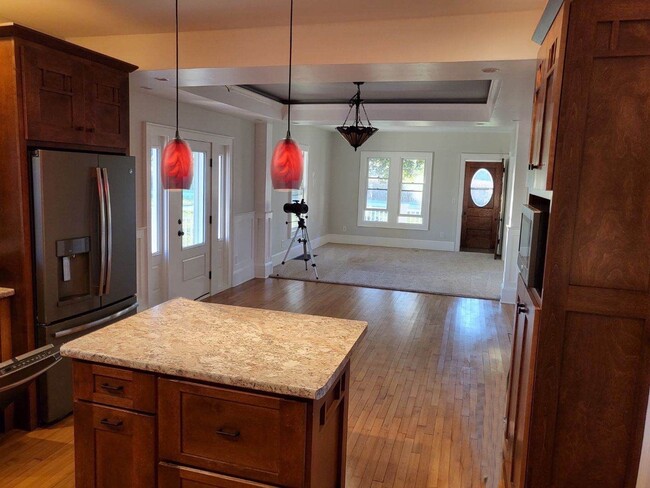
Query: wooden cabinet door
(520, 388)
(546, 100)
(53, 95)
(113, 448)
(107, 106)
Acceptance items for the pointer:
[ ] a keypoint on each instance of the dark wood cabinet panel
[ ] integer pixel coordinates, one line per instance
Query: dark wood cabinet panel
(71, 100)
(236, 433)
(546, 98)
(113, 448)
(520, 387)
(107, 106)
(592, 359)
(173, 476)
(53, 94)
(116, 387)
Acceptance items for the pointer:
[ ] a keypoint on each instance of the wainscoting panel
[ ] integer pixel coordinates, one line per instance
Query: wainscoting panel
(243, 248)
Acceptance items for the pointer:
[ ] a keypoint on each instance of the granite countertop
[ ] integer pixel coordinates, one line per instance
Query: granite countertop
(277, 352)
(6, 292)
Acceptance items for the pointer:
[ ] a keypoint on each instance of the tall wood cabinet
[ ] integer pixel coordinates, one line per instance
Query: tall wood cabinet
(56, 95)
(579, 420)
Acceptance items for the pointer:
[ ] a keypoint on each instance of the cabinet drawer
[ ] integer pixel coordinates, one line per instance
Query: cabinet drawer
(247, 435)
(117, 387)
(172, 476)
(114, 448)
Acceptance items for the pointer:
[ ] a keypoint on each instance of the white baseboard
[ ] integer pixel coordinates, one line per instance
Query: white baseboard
(391, 242)
(509, 293)
(297, 250)
(243, 274)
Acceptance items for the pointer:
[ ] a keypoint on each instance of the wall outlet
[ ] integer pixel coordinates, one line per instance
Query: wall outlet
(345, 228)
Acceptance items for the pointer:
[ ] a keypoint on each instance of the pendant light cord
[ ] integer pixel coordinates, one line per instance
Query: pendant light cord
(290, 66)
(177, 135)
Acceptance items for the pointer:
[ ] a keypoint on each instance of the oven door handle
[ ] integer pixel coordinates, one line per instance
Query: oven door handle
(29, 378)
(96, 323)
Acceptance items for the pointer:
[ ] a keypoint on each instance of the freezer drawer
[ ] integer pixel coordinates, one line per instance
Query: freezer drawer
(55, 386)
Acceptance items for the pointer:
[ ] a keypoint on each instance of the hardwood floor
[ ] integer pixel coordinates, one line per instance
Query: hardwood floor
(427, 392)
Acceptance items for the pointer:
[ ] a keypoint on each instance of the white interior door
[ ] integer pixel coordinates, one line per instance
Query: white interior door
(188, 213)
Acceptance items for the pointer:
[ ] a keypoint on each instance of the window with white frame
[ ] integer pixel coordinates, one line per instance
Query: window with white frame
(395, 189)
(300, 193)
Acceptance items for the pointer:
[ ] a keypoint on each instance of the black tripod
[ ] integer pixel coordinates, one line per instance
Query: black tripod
(307, 251)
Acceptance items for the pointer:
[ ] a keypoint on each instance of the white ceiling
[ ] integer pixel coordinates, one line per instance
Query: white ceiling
(78, 18)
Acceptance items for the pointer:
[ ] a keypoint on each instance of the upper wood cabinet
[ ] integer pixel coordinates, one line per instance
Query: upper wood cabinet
(546, 98)
(71, 100)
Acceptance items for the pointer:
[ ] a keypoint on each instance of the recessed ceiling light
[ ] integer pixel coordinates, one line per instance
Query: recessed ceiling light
(490, 70)
(146, 87)
(481, 123)
(162, 79)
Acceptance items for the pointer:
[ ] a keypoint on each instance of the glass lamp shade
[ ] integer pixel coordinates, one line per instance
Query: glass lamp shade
(177, 166)
(356, 135)
(287, 166)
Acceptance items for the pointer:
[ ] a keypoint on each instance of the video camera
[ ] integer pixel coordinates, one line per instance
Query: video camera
(297, 207)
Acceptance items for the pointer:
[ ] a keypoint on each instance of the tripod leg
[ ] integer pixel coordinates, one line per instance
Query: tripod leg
(305, 256)
(284, 260)
(311, 253)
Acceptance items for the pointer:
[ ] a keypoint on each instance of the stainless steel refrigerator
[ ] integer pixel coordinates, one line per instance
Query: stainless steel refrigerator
(84, 255)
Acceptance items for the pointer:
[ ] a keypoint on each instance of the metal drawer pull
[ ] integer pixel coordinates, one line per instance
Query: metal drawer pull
(116, 389)
(116, 424)
(233, 434)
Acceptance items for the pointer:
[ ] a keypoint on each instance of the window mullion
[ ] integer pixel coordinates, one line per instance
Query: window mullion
(393, 188)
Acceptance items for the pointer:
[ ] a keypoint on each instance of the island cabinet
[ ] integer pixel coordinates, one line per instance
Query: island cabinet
(206, 435)
(192, 394)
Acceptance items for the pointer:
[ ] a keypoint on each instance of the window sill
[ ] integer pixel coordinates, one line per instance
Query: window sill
(388, 225)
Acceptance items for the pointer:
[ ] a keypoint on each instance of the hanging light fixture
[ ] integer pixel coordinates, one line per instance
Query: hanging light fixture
(287, 162)
(177, 165)
(358, 133)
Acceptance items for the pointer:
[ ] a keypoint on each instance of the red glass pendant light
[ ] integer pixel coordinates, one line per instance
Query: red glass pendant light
(177, 167)
(287, 163)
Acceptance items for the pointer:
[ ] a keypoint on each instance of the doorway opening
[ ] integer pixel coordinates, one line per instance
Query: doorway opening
(188, 231)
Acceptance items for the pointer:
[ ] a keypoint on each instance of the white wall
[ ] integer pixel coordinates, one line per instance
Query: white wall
(446, 147)
(319, 142)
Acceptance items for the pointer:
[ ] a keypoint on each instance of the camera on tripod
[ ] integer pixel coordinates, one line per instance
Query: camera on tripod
(296, 207)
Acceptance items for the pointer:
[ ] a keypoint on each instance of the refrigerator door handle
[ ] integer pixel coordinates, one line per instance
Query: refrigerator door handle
(102, 231)
(109, 232)
(96, 323)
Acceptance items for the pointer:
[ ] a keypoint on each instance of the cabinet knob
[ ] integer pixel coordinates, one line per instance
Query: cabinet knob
(90, 129)
(79, 128)
(522, 308)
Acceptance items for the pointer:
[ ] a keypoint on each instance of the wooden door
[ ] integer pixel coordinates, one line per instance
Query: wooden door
(114, 448)
(520, 388)
(107, 106)
(481, 206)
(53, 93)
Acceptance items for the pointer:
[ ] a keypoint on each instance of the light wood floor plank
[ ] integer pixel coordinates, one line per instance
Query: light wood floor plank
(427, 392)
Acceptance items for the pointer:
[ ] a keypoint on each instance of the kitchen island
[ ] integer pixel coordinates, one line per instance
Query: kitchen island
(193, 394)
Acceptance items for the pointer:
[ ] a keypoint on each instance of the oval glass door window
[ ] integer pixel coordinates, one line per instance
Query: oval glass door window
(482, 187)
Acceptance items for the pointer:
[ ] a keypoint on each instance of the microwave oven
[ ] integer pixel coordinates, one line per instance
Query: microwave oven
(532, 246)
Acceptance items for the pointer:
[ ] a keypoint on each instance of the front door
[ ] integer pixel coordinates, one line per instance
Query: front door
(481, 206)
(189, 230)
